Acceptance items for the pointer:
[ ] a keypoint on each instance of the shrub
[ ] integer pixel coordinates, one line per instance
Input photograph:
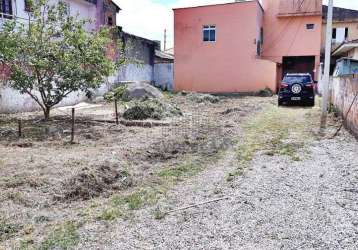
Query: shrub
(116, 94)
(266, 92)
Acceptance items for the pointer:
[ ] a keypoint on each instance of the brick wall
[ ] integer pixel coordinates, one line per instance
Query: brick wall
(344, 90)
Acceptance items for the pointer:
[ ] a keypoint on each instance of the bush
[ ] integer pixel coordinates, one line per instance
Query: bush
(266, 92)
(116, 94)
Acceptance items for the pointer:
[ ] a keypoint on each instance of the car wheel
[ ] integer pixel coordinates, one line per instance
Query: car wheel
(280, 103)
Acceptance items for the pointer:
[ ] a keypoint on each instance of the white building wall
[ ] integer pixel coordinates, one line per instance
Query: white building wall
(135, 73)
(82, 8)
(11, 101)
(164, 75)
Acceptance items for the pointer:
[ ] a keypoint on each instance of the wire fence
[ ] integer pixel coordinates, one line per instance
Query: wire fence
(190, 133)
(62, 125)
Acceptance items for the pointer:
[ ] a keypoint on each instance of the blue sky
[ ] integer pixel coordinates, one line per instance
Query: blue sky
(149, 18)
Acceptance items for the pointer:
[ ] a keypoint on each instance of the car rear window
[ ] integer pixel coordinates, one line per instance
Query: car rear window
(297, 79)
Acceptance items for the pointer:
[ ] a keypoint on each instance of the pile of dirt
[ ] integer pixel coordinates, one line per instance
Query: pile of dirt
(203, 98)
(205, 141)
(140, 91)
(90, 182)
(150, 109)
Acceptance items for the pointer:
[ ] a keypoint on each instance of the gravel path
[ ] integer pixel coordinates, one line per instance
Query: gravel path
(277, 204)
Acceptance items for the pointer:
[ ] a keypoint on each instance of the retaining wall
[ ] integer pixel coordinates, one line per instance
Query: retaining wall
(344, 90)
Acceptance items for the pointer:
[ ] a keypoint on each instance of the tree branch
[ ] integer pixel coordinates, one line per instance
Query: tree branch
(35, 98)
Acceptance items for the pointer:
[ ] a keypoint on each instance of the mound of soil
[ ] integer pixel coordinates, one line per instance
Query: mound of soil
(203, 98)
(139, 91)
(150, 109)
(91, 182)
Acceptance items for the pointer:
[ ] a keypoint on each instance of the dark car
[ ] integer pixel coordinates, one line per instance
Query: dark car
(297, 88)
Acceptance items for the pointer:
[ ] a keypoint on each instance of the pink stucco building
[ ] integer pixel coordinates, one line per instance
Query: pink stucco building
(245, 46)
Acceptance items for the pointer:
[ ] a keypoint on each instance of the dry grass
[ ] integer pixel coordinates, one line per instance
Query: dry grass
(276, 131)
(46, 181)
(62, 237)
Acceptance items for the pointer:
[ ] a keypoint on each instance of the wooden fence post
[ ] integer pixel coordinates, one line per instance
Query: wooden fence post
(20, 128)
(73, 126)
(116, 110)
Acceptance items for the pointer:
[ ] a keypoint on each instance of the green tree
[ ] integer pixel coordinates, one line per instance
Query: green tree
(52, 55)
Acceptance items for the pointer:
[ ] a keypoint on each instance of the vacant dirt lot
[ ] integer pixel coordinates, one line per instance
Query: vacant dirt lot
(283, 185)
(51, 188)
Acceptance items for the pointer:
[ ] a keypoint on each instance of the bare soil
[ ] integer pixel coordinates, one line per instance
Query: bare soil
(278, 201)
(51, 188)
(288, 186)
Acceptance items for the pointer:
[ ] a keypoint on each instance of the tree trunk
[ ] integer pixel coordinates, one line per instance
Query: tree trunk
(47, 113)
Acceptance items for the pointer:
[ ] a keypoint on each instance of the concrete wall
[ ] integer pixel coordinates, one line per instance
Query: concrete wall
(82, 8)
(140, 58)
(136, 73)
(343, 91)
(228, 65)
(288, 36)
(163, 75)
(11, 101)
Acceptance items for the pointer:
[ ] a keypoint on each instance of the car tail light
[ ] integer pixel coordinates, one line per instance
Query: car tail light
(284, 85)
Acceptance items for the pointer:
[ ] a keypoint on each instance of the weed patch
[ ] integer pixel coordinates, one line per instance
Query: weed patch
(275, 131)
(7, 229)
(110, 214)
(139, 199)
(159, 214)
(185, 169)
(63, 237)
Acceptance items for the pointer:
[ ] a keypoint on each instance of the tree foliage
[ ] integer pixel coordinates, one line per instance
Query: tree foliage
(52, 55)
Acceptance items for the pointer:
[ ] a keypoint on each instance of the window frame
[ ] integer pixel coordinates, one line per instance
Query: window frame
(310, 26)
(9, 13)
(334, 33)
(209, 28)
(110, 20)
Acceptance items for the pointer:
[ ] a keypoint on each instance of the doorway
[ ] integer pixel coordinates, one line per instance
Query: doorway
(298, 64)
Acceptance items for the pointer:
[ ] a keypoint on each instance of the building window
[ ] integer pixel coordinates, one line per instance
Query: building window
(5, 9)
(110, 21)
(339, 35)
(28, 5)
(310, 26)
(334, 33)
(209, 33)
